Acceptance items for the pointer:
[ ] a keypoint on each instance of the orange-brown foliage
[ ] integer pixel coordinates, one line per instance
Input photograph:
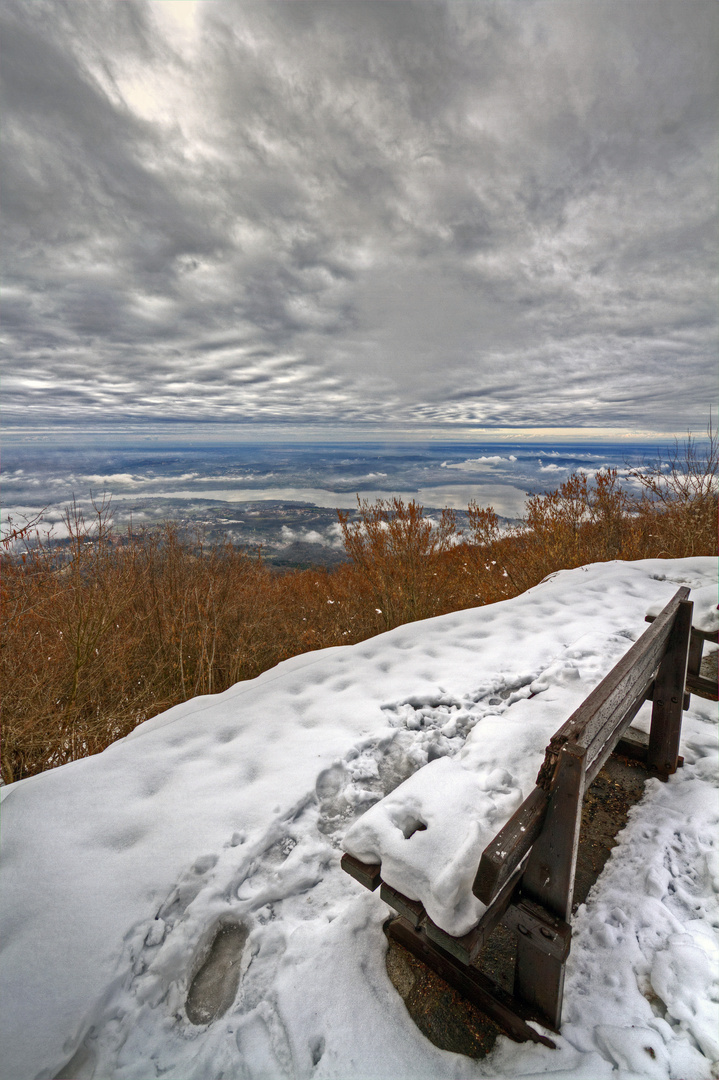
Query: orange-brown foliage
(109, 630)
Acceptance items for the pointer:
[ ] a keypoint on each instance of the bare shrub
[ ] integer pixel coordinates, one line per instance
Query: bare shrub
(396, 550)
(63, 649)
(677, 510)
(103, 631)
(581, 521)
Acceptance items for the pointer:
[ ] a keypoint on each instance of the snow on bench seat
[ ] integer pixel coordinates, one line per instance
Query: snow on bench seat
(430, 832)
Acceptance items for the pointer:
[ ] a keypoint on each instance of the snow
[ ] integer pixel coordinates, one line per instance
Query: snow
(705, 615)
(229, 812)
(481, 786)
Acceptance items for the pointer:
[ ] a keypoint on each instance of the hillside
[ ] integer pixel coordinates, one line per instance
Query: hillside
(230, 810)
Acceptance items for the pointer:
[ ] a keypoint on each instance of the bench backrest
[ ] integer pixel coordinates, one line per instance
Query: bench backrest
(594, 729)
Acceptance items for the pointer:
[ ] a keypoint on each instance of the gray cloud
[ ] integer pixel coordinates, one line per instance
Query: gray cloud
(416, 213)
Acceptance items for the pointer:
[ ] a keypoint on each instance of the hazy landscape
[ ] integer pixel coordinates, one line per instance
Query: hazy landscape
(283, 497)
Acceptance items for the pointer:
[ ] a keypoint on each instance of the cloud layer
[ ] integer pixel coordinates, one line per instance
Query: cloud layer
(344, 213)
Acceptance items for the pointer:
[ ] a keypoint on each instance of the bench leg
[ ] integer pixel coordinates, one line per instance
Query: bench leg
(486, 995)
(539, 981)
(549, 881)
(668, 697)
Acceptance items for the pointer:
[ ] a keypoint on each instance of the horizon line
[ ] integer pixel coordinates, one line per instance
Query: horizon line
(223, 431)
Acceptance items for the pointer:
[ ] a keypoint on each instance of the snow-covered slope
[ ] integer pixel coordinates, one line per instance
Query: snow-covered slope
(117, 870)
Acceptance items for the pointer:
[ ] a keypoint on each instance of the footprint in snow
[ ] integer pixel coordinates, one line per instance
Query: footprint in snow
(214, 987)
(241, 901)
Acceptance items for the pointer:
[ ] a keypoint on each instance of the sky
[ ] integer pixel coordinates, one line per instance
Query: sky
(335, 218)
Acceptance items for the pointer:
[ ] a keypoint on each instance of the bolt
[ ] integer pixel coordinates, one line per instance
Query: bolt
(660, 704)
(523, 930)
(675, 700)
(545, 932)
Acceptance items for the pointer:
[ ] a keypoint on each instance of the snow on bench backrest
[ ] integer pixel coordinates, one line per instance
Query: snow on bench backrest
(596, 726)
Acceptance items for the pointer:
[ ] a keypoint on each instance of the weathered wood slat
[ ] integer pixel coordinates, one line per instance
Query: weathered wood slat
(702, 687)
(696, 648)
(603, 748)
(368, 874)
(539, 980)
(634, 744)
(687, 695)
(502, 855)
(669, 694)
(526, 874)
(705, 635)
(507, 1012)
(411, 910)
(549, 876)
(696, 683)
(549, 882)
(468, 947)
(514, 840)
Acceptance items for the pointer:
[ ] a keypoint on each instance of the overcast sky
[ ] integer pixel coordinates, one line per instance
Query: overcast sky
(413, 216)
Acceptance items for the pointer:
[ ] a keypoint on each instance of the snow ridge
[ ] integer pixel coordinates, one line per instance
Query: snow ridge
(175, 905)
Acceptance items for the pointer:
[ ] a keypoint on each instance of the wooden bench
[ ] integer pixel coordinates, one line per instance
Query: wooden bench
(526, 874)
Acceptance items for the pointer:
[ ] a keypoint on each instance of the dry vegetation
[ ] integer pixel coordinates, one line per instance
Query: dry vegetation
(105, 632)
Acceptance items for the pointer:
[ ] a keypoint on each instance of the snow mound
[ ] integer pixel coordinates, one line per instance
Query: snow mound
(175, 906)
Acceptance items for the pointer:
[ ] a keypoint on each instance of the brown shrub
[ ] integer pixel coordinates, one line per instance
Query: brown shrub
(677, 510)
(105, 631)
(397, 552)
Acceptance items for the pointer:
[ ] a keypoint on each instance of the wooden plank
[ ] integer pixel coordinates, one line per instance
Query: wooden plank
(687, 696)
(603, 745)
(623, 689)
(549, 876)
(368, 874)
(508, 1013)
(645, 654)
(634, 744)
(610, 698)
(411, 910)
(503, 855)
(539, 843)
(705, 635)
(467, 948)
(667, 707)
(500, 902)
(696, 683)
(696, 648)
(702, 687)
